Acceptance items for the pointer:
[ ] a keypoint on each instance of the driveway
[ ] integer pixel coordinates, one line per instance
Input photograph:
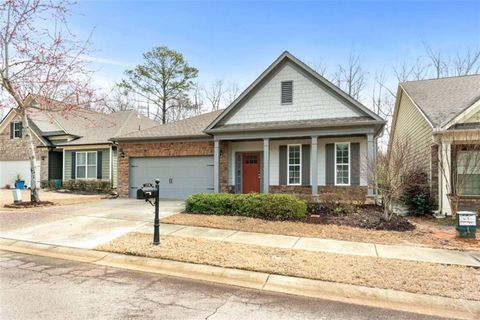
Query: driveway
(83, 225)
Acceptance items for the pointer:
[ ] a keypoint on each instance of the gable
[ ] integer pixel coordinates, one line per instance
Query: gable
(475, 118)
(311, 100)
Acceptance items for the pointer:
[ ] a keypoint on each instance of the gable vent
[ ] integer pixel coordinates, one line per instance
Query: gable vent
(287, 92)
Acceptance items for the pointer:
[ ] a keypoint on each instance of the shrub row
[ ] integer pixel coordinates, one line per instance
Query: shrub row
(265, 206)
(99, 186)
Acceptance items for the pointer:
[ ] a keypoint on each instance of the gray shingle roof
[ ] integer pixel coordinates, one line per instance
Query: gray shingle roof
(297, 124)
(443, 99)
(188, 128)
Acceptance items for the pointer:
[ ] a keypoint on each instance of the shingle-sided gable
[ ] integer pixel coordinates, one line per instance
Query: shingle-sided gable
(310, 101)
(314, 98)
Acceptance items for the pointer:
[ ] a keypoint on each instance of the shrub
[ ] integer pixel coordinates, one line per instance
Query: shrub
(265, 206)
(416, 194)
(99, 186)
(341, 201)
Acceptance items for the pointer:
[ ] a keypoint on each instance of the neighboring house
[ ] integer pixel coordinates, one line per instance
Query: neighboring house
(426, 112)
(69, 145)
(290, 131)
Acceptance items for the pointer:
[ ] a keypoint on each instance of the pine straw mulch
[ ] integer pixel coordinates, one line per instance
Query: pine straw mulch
(425, 235)
(28, 204)
(456, 282)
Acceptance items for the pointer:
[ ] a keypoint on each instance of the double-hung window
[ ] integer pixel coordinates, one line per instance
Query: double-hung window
(294, 162)
(342, 164)
(468, 171)
(17, 130)
(86, 163)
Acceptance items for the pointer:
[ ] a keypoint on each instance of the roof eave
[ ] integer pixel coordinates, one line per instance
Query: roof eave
(177, 137)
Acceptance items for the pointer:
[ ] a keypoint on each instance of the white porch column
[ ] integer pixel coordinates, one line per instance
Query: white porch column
(216, 166)
(314, 165)
(266, 165)
(370, 159)
(444, 174)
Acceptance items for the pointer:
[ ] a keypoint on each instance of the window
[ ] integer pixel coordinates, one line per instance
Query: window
(294, 164)
(468, 170)
(342, 164)
(86, 163)
(17, 130)
(287, 92)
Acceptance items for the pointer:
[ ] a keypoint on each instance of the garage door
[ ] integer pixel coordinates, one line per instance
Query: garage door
(179, 176)
(10, 169)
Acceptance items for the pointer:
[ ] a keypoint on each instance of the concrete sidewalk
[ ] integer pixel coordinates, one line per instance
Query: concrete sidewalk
(465, 258)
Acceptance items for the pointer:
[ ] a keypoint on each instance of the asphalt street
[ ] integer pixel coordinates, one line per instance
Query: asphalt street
(34, 287)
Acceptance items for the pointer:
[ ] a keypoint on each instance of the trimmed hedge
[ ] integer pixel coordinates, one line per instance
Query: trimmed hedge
(97, 186)
(256, 205)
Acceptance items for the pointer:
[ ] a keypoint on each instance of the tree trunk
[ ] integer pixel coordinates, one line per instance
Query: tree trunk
(34, 197)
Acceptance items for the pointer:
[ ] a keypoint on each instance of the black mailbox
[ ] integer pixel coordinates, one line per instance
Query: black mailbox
(146, 193)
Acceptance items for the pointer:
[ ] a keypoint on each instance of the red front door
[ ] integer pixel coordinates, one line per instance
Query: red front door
(251, 172)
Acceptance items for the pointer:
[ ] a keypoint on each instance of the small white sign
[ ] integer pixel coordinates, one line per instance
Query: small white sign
(467, 220)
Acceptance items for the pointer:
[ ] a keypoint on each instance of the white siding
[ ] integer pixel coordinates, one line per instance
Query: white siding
(245, 146)
(310, 101)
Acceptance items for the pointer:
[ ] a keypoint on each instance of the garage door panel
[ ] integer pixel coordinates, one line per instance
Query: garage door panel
(179, 176)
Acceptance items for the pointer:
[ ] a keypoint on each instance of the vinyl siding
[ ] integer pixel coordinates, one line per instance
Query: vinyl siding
(245, 146)
(310, 101)
(411, 124)
(474, 118)
(67, 174)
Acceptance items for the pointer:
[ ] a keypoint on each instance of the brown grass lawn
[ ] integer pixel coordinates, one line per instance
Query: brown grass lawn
(417, 277)
(58, 198)
(426, 234)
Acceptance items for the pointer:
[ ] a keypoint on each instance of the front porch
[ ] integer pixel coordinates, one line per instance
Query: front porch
(294, 162)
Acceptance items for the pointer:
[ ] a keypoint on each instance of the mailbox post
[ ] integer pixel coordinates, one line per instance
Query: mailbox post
(156, 221)
(147, 193)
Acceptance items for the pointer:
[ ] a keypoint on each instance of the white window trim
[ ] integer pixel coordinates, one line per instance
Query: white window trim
(299, 165)
(18, 130)
(349, 168)
(86, 165)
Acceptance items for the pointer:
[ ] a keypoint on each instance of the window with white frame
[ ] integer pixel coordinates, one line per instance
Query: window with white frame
(294, 164)
(86, 163)
(17, 130)
(342, 164)
(468, 171)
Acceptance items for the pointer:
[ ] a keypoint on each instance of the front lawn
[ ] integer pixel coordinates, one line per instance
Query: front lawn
(424, 234)
(418, 277)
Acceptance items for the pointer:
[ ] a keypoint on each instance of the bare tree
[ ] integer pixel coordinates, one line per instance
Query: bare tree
(40, 63)
(214, 94)
(459, 161)
(351, 78)
(320, 68)
(119, 99)
(438, 62)
(197, 99)
(468, 63)
(391, 173)
(232, 93)
(383, 98)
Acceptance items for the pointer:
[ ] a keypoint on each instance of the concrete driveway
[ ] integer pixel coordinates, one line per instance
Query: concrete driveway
(83, 225)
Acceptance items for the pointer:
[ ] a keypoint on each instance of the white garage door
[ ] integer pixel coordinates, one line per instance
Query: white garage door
(179, 176)
(10, 169)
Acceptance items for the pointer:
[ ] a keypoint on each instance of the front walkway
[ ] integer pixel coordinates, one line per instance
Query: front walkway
(466, 258)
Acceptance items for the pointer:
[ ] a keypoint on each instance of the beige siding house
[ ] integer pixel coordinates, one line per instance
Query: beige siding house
(429, 113)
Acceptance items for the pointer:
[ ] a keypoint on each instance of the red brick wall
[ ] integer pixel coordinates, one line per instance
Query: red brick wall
(159, 149)
(470, 203)
(15, 150)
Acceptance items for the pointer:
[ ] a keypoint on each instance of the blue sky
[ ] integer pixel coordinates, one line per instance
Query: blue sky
(236, 41)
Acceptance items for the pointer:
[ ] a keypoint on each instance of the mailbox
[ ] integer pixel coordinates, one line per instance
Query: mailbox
(146, 193)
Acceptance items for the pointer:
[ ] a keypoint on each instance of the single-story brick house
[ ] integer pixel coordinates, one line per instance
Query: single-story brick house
(290, 131)
(437, 116)
(69, 145)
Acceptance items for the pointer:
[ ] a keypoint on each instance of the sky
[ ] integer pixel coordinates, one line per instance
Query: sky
(236, 40)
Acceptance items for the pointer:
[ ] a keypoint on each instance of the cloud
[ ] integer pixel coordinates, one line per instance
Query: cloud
(104, 61)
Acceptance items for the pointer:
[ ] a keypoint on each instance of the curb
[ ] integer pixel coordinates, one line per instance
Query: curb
(366, 296)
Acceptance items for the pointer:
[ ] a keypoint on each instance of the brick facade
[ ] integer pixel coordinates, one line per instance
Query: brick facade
(470, 203)
(434, 175)
(160, 149)
(16, 150)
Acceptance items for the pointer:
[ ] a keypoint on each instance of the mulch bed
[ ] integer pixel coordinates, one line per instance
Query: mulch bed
(28, 204)
(366, 217)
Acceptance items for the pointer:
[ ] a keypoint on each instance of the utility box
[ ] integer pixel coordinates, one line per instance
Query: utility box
(466, 224)
(17, 196)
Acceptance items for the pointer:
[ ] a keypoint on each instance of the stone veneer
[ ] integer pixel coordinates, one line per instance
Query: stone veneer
(167, 149)
(16, 150)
